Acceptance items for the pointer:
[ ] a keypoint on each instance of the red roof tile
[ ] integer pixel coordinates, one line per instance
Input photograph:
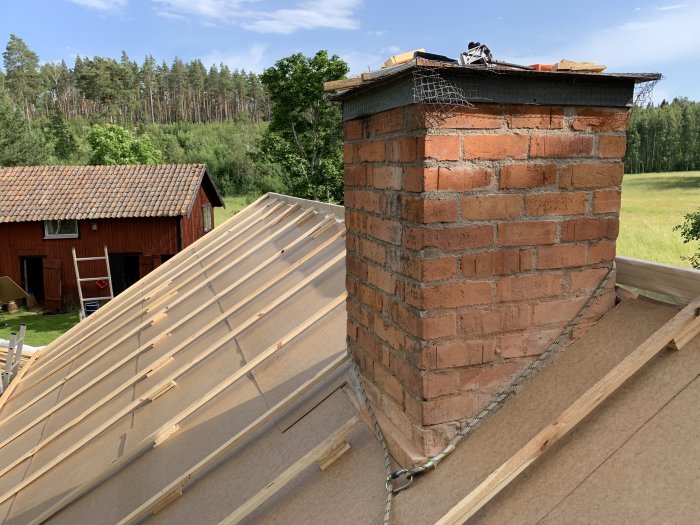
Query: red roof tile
(38, 193)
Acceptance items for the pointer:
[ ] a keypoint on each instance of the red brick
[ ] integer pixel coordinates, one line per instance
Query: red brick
(385, 177)
(600, 119)
(436, 384)
(355, 266)
(449, 295)
(438, 326)
(370, 297)
(527, 343)
(516, 176)
(388, 332)
(481, 322)
(371, 151)
(589, 175)
(354, 129)
(453, 408)
(495, 147)
(429, 269)
(373, 251)
(589, 229)
(568, 256)
(366, 200)
(419, 179)
(485, 207)
(428, 211)
(385, 122)
(499, 262)
(612, 146)
(560, 203)
(600, 252)
(478, 378)
(561, 311)
(587, 280)
(461, 353)
(351, 330)
(355, 175)
(380, 278)
(526, 233)
(450, 238)
(525, 287)
(409, 375)
(561, 146)
(350, 153)
(483, 116)
(442, 147)
(402, 149)
(385, 230)
(388, 383)
(461, 178)
(535, 117)
(607, 201)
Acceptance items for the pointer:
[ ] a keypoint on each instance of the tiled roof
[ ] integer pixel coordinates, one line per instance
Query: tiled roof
(38, 193)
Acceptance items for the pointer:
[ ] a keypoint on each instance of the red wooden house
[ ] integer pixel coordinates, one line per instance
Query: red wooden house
(143, 214)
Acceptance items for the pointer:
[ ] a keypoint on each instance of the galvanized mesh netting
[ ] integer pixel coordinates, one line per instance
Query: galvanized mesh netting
(438, 97)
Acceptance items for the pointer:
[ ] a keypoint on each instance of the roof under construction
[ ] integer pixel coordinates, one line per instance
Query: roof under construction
(209, 391)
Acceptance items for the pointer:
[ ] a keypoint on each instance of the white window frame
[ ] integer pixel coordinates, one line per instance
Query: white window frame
(206, 216)
(48, 235)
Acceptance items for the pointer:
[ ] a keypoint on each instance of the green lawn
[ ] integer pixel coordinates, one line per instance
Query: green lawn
(652, 204)
(41, 328)
(233, 206)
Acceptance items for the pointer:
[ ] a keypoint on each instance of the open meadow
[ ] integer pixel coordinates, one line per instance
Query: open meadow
(652, 204)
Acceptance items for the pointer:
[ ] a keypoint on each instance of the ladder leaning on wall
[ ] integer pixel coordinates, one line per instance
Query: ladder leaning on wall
(106, 279)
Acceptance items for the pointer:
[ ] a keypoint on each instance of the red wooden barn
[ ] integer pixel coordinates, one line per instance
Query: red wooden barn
(143, 214)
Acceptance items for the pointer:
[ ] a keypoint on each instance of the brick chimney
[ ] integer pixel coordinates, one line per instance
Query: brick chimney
(474, 237)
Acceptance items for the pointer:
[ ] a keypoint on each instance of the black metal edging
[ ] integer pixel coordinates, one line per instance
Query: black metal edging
(493, 86)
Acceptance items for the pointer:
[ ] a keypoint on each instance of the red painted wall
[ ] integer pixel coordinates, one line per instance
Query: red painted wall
(193, 226)
(148, 237)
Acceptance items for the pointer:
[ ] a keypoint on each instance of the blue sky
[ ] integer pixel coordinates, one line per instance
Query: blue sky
(627, 36)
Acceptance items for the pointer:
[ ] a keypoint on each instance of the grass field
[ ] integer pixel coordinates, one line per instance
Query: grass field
(41, 328)
(233, 206)
(652, 204)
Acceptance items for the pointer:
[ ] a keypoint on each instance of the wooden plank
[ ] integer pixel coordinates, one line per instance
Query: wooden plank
(291, 473)
(687, 334)
(148, 443)
(346, 83)
(570, 417)
(401, 58)
(153, 341)
(143, 398)
(105, 334)
(681, 283)
(181, 261)
(332, 455)
(169, 355)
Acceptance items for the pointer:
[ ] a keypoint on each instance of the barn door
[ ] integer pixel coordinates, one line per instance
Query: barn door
(52, 284)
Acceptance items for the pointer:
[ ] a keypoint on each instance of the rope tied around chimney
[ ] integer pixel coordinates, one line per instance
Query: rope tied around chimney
(470, 425)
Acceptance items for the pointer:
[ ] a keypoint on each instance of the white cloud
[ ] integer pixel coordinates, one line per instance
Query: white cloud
(307, 14)
(670, 7)
(651, 41)
(390, 49)
(376, 33)
(102, 5)
(252, 59)
(660, 38)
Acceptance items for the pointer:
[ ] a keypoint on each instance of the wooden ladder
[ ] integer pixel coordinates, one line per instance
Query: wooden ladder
(80, 281)
(14, 356)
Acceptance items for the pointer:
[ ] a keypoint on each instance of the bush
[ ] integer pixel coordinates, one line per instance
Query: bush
(690, 231)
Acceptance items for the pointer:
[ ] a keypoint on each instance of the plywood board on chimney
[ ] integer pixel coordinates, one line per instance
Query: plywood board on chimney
(577, 455)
